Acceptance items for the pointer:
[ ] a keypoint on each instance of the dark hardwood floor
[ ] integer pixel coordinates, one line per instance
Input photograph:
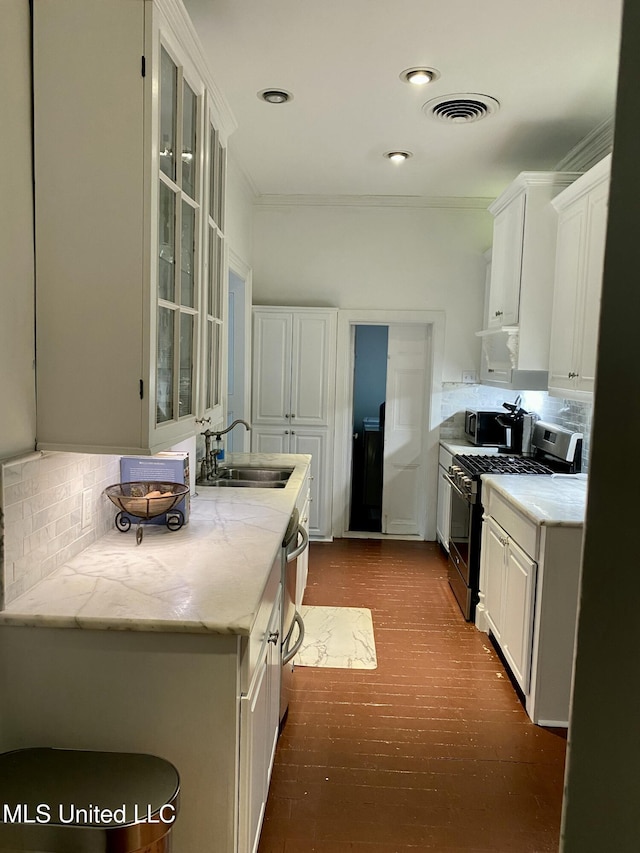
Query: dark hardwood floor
(430, 751)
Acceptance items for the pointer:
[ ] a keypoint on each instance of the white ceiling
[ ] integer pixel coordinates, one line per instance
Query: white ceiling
(551, 64)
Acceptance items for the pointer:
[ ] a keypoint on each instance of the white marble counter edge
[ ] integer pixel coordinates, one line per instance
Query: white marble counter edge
(29, 610)
(501, 483)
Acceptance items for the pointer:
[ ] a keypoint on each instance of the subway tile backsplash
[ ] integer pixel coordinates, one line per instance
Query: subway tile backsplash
(41, 498)
(457, 397)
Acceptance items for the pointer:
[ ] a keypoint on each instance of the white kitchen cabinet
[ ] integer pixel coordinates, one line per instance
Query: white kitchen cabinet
(318, 443)
(509, 590)
(259, 725)
(129, 247)
(294, 356)
(515, 344)
(303, 560)
(208, 703)
(293, 395)
(529, 581)
(443, 508)
(582, 224)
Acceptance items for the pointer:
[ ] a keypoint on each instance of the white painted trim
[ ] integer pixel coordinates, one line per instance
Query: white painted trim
(589, 150)
(180, 22)
(413, 202)
(435, 320)
(244, 271)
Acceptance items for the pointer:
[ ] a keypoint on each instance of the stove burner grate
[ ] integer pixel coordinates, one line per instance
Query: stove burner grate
(493, 464)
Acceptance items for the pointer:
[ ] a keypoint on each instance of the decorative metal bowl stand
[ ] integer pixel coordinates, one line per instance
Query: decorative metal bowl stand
(132, 499)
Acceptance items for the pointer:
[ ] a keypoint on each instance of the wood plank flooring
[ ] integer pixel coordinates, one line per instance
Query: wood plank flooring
(431, 751)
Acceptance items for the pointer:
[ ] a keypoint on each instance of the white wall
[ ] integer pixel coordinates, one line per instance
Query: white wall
(239, 210)
(378, 258)
(17, 379)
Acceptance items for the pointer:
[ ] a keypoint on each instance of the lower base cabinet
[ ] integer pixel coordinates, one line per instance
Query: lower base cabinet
(510, 587)
(317, 442)
(207, 703)
(529, 584)
(259, 724)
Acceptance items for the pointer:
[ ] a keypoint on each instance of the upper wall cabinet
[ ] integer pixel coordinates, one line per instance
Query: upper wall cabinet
(582, 225)
(516, 341)
(129, 136)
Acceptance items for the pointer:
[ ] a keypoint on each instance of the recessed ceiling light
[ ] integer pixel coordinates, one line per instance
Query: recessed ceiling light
(275, 96)
(419, 76)
(398, 156)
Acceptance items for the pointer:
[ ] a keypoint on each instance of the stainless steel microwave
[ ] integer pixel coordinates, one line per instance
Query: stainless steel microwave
(481, 427)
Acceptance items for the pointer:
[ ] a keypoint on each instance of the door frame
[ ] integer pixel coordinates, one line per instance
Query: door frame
(347, 320)
(241, 270)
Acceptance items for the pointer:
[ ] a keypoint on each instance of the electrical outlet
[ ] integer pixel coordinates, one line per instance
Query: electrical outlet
(469, 376)
(86, 509)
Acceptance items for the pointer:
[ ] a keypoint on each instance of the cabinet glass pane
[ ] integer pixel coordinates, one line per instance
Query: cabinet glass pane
(212, 378)
(214, 288)
(207, 372)
(215, 365)
(186, 364)
(220, 164)
(188, 255)
(167, 244)
(168, 113)
(164, 376)
(189, 123)
(213, 182)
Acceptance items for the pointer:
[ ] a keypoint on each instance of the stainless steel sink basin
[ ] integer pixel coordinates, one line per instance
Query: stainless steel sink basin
(248, 477)
(261, 474)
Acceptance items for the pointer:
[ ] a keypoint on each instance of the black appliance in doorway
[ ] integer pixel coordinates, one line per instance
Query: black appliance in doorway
(554, 450)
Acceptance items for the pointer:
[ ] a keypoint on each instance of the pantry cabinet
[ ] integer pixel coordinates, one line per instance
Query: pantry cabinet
(582, 224)
(129, 217)
(293, 395)
(515, 343)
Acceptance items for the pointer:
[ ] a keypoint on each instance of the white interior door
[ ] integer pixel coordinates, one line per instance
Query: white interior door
(403, 467)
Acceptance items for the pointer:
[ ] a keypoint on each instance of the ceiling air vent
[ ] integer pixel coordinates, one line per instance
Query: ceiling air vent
(461, 108)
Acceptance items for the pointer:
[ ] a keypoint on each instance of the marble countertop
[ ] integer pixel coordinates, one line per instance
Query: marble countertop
(559, 499)
(208, 577)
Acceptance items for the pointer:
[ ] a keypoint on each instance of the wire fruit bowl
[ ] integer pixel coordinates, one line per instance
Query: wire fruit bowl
(147, 499)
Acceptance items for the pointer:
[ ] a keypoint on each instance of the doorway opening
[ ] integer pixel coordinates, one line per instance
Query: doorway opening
(369, 390)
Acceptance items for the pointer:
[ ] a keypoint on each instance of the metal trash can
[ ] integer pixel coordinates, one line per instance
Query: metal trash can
(80, 801)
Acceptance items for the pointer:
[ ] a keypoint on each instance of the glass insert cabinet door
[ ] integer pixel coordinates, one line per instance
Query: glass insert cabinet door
(178, 262)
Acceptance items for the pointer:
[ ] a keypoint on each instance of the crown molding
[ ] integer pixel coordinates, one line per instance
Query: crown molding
(380, 201)
(590, 150)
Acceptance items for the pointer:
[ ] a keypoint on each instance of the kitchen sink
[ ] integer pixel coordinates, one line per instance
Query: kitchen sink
(249, 473)
(240, 476)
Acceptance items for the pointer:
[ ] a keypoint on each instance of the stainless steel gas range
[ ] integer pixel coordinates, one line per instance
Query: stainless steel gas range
(554, 449)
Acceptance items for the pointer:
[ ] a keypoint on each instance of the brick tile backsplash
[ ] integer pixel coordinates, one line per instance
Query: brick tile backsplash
(457, 397)
(41, 513)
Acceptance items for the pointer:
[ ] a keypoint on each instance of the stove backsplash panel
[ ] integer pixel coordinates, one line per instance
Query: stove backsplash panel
(41, 513)
(457, 397)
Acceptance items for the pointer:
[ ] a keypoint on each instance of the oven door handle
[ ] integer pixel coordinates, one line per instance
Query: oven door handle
(454, 486)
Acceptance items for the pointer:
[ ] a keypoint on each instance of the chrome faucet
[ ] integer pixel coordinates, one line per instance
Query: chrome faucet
(209, 464)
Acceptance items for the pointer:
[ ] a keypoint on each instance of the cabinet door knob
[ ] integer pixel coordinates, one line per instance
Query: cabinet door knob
(499, 313)
(273, 637)
(286, 432)
(293, 416)
(572, 375)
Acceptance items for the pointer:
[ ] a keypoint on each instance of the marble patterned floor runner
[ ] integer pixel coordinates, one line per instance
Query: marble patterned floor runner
(339, 637)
